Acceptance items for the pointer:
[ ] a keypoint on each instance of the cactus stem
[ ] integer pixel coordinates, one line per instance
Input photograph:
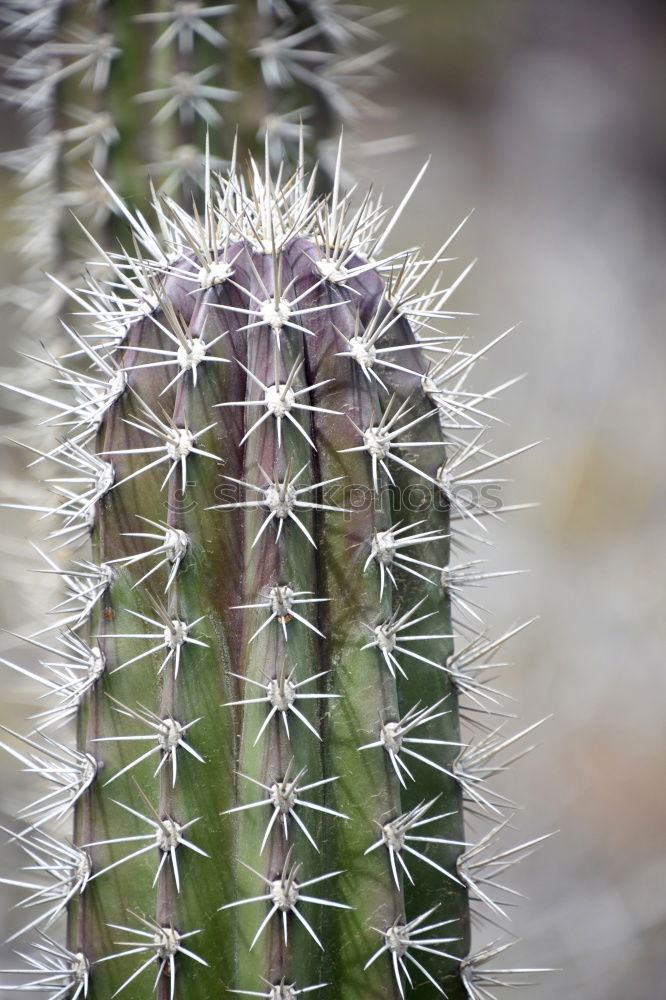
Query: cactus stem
(310, 630)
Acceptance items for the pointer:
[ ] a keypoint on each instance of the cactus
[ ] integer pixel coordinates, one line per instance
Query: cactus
(269, 775)
(274, 787)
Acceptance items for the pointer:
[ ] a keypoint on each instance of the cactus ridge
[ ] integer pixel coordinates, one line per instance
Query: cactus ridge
(255, 475)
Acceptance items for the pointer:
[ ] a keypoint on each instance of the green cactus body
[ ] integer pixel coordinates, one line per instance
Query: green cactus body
(269, 775)
(257, 472)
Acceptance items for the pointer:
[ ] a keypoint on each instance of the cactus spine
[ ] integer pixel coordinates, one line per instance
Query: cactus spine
(258, 467)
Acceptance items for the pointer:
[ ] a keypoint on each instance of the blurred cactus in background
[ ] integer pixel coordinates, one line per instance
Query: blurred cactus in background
(263, 447)
(133, 89)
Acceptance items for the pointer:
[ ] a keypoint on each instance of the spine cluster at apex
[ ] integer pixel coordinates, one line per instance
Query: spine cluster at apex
(266, 460)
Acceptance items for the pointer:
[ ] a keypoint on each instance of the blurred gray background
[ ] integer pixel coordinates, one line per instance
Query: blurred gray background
(547, 119)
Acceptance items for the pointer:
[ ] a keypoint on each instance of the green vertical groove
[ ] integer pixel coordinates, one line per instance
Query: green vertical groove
(198, 692)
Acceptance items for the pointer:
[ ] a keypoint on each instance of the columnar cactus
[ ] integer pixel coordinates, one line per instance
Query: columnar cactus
(260, 461)
(266, 441)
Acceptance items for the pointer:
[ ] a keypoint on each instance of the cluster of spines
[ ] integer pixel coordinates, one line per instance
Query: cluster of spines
(143, 414)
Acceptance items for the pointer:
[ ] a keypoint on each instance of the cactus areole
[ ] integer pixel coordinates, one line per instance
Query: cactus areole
(256, 646)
